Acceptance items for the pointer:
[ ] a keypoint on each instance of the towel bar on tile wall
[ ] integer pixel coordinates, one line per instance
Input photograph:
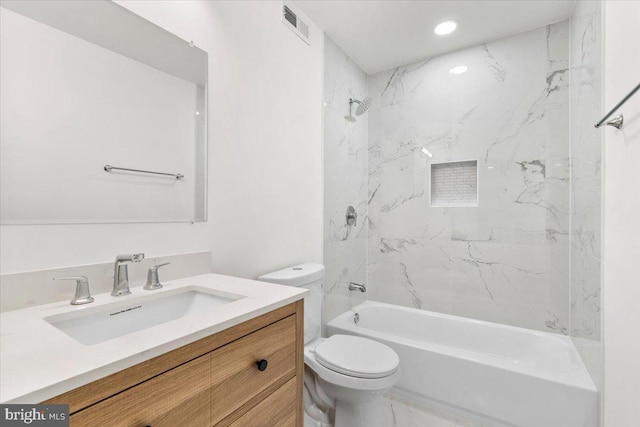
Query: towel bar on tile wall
(110, 168)
(618, 120)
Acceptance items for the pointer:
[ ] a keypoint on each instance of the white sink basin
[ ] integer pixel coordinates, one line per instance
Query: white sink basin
(118, 319)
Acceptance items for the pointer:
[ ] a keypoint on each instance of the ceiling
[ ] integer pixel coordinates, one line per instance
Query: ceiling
(383, 34)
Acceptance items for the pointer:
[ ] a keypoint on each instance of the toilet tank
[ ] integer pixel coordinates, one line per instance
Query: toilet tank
(309, 276)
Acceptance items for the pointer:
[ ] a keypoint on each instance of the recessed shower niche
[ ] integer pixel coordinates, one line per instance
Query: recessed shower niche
(454, 184)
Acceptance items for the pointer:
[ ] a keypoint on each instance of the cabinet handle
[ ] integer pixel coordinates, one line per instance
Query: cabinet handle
(262, 365)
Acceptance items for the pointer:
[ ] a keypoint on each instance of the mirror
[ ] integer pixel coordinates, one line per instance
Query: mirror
(88, 84)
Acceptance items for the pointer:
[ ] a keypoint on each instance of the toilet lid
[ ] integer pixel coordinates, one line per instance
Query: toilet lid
(357, 357)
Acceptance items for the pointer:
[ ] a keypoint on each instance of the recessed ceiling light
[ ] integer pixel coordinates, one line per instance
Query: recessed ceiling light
(445, 27)
(458, 70)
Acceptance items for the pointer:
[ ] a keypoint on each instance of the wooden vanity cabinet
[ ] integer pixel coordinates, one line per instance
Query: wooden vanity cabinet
(179, 395)
(249, 375)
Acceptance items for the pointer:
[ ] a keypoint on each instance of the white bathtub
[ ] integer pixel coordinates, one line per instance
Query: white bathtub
(500, 375)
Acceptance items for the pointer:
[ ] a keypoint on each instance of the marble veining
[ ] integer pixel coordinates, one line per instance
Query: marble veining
(586, 82)
(346, 181)
(514, 258)
(411, 289)
(506, 260)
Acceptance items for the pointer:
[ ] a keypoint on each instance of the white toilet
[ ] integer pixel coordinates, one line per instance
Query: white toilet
(344, 374)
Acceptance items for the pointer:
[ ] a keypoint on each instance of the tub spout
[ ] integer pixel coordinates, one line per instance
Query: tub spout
(353, 286)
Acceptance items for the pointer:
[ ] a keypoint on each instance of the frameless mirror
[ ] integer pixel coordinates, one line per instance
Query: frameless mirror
(88, 84)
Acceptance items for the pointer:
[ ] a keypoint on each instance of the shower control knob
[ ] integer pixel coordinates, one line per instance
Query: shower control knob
(262, 365)
(351, 216)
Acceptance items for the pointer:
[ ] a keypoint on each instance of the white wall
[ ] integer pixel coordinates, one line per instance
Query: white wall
(622, 218)
(265, 153)
(266, 149)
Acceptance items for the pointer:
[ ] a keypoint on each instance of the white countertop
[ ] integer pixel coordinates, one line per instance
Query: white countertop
(38, 361)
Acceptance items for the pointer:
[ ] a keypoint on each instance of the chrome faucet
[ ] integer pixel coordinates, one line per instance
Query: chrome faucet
(82, 296)
(153, 282)
(353, 286)
(121, 273)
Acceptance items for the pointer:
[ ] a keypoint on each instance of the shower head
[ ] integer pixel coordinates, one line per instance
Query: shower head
(363, 105)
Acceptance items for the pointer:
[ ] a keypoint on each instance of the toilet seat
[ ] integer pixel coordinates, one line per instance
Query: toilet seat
(355, 383)
(340, 379)
(357, 357)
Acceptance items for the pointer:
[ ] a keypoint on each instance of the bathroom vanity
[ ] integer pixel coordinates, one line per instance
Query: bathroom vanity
(237, 364)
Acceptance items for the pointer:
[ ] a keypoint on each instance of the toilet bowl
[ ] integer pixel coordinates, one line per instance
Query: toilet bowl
(344, 374)
(352, 372)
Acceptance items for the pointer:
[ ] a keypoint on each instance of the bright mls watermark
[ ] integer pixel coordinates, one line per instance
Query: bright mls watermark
(34, 415)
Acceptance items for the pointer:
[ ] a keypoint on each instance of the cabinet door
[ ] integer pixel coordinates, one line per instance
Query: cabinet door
(235, 377)
(179, 397)
(278, 409)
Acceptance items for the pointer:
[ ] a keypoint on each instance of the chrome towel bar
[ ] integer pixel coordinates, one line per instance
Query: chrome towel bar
(617, 122)
(110, 168)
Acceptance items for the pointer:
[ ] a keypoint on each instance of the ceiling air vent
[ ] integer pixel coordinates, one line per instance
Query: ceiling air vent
(297, 25)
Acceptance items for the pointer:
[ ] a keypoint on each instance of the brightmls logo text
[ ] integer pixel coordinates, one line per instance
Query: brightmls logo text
(27, 416)
(34, 415)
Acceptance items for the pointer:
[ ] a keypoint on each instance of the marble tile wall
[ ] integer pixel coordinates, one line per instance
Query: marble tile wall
(586, 109)
(506, 260)
(586, 180)
(345, 181)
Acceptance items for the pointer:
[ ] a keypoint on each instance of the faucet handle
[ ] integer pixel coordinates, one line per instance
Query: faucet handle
(77, 278)
(157, 266)
(82, 296)
(152, 277)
